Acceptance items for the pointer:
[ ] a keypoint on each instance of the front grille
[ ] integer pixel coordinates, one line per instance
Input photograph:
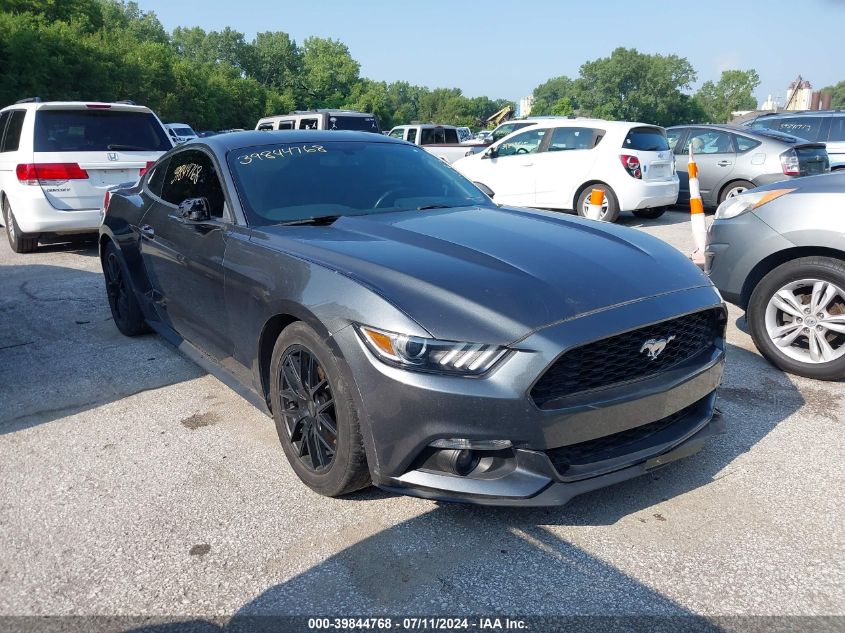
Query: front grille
(622, 358)
(618, 444)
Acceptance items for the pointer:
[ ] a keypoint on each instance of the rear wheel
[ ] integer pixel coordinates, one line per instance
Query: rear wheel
(609, 208)
(797, 317)
(650, 214)
(316, 418)
(125, 310)
(734, 189)
(20, 242)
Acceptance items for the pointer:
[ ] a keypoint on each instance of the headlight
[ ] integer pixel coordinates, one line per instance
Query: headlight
(738, 205)
(430, 355)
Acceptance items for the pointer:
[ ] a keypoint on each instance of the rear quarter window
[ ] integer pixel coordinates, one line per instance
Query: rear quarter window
(98, 131)
(12, 138)
(743, 143)
(646, 139)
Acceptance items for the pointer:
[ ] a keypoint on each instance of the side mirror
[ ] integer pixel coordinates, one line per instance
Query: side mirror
(491, 152)
(195, 210)
(487, 190)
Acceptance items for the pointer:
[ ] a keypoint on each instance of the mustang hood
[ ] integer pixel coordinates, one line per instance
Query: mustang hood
(491, 274)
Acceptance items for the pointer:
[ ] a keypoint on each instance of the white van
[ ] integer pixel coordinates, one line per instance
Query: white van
(58, 158)
(321, 120)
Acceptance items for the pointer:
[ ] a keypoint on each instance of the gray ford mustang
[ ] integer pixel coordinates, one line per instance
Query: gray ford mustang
(404, 330)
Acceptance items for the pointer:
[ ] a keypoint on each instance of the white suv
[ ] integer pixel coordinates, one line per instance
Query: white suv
(555, 163)
(57, 159)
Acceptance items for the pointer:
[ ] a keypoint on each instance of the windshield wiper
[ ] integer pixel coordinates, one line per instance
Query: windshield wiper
(321, 220)
(128, 148)
(426, 207)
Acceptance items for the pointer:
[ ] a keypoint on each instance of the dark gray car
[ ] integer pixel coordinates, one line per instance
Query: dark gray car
(732, 160)
(403, 329)
(779, 253)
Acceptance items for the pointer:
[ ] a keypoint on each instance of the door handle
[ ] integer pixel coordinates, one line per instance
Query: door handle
(724, 163)
(148, 231)
(527, 164)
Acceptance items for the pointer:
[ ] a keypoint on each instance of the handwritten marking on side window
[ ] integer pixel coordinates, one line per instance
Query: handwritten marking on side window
(188, 171)
(281, 152)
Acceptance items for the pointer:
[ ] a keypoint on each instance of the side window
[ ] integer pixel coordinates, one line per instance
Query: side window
(568, 138)
(156, 178)
(4, 118)
(450, 136)
(12, 139)
(672, 136)
(285, 125)
(524, 143)
(191, 174)
(743, 143)
(412, 135)
(397, 133)
(265, 126)
(837, 129)
(709, 142)
(427, 136)
(308, 124)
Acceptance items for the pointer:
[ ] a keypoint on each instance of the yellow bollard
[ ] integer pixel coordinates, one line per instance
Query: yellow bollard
(594, 208)
(696, 209)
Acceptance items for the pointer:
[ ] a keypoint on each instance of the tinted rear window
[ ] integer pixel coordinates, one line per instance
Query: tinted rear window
(807, 127)
(98, 131)
(183, 131)
(358, 123)
(438, 135)
(646, 139)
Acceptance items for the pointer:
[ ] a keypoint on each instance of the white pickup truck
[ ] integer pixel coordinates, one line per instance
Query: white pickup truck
(440, 140)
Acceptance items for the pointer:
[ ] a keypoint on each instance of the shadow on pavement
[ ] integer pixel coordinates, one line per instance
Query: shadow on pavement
(60, 352)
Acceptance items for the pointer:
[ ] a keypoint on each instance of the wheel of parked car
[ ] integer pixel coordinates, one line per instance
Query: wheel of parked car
(609, 208)
(734, 189)
(797, 317)
(650, 214)
(20, 242)
(124, 306)
(315, 416)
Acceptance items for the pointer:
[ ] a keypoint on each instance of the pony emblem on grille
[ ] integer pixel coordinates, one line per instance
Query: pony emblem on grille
(655, 346)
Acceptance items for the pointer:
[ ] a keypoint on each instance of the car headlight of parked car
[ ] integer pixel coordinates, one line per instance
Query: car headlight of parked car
(738, 205)
(430, 355)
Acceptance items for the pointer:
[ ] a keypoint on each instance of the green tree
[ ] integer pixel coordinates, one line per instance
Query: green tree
(732, 92)
(837, 92)
(328, 72)
(634, 86)
(556, 96)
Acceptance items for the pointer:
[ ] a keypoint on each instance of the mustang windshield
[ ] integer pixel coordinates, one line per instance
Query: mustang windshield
(287, 182)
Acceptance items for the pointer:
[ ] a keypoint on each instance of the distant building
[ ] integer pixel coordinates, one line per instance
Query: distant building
(799, 95)
(524, 106)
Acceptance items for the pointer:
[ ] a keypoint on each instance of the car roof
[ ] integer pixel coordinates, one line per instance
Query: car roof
(799, 113)
(603, 123)
(78, 105)
(426, 125)
(251, 138)
(772, 135)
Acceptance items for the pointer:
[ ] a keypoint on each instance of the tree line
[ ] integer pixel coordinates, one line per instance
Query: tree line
(110, 50)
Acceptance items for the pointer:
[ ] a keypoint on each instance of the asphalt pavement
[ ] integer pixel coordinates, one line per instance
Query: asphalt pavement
(135, 484)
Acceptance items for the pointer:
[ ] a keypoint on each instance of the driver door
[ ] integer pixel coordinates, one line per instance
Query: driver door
(184, 257)
(509, 171)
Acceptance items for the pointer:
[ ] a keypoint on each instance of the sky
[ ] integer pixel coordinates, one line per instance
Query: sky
(505, 49)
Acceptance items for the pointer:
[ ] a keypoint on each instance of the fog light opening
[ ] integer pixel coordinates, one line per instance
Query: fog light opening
(459, 462)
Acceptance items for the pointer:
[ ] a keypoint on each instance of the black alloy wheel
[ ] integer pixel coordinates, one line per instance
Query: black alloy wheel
(308, 408)
(125, 310)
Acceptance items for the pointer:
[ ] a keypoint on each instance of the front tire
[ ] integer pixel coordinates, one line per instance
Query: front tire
(649, 214)
(20, 242)
(609, 209)
(316, 418)
(797, 317)
(125, 310)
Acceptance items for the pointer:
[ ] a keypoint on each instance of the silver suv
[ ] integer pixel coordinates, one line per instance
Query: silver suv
(826, 126)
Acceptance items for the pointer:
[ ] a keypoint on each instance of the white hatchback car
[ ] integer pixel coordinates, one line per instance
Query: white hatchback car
(57, 159)
(555, 163)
